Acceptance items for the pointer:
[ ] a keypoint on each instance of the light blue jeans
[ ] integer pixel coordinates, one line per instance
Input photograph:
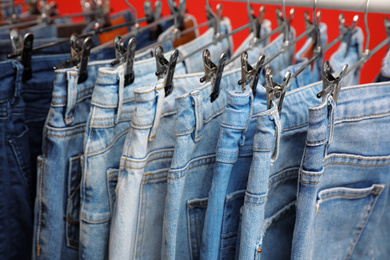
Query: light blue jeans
(342, 204)
(108, 123)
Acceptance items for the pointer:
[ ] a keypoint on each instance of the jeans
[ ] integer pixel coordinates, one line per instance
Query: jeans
(108, 123)
(385, 70)
(253, 52)
(136, 230)
(232, 167)
(194, 63)
(348, 54)
(16, 202)
(342, 202)
(57, 204)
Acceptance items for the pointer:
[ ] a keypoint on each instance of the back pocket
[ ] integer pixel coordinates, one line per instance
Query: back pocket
(73, 203)
(341, 216)
(196, 211)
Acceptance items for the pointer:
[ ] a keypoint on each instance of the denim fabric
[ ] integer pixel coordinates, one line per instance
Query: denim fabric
(312, 73)
(385, 70)
(143, 38)
(342, 57)
(39, 31)
(268, 214)
(136, 231)
(342, 202)
(194, 63)
(107, 126)
(9, 11)
(229, 183)
(16, 205)
(57, 204)
(253, 52)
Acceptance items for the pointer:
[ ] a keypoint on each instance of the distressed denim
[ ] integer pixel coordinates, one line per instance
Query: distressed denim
(342, 209)
(137, 225)
(231, 171)
(108, 123)
(253, 52)
(348, 54)
(57, 204)
(16, 207)
(384, 75)
(194, 63)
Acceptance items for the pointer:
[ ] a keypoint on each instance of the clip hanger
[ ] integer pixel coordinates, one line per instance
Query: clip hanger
(331, 84)
(249, 74)
(24, 46)
(178, 13)
(348, 30)
(213, 73)
(276, 90)
(309, 24)
(125, 56)
(214, 18)
(79, 57)
(166, 69)
(151, 15)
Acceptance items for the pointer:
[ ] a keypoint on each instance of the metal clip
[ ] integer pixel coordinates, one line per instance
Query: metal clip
(26, 55)
(343, 27)
(178, 13)
(16, 40)
(217, 77)
(275, 90)
(309, 24)
(215, 18)
(125, 56)
(330, 84)
(83, 60)
(256, 22)
(165, 68)
(151, 15)
(210, 68)
(248, 74)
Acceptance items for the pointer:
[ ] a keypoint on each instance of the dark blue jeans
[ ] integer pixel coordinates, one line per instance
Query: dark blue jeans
(16, 206)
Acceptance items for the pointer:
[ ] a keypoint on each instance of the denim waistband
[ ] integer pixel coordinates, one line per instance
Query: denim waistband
(11, 78)
(355, 103)
(195, 108)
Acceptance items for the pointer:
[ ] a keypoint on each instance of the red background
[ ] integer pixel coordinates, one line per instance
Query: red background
(236, 11)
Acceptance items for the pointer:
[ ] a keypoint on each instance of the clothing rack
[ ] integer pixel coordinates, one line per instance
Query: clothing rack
(375, 6)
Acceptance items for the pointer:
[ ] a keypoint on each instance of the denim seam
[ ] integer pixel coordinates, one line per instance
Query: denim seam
(355, 164)
(256, 197)
(311, 174)
(316, 143)
(233, 126)
(359, 157)
(283, 178)
(349, 119)
(135, 168)
(107, 118)
(40, 210)
(370, 208)
(77, 100)
(93, 221)
(348, 196)
(262, 150)
(80, 132)
(155, 179)
(194, 160)
(307, 182)
(154, 89)
(125, 158)
(254, 204)
(205, 121)
(295, 127)
(78, 93)
(87, 155)
(176, 178)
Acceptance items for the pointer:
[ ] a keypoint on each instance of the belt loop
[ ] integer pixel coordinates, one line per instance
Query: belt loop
(18, 80)
(71, 98)
(120, 92)
(278, 133)
(159, 110)
(197, 102)
(242, 141)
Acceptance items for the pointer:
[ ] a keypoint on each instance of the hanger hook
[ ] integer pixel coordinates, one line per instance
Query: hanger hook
(316, 23)
(134, 11)
(367, 29)
(250, 16)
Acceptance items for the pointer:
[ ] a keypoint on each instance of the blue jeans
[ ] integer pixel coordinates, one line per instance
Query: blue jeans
(385, 70)
(57, 204)
(232, 168)
(268, 212)
(108, 123)
(342, 208)
(16, 203)
(194, 63)
(349, 56)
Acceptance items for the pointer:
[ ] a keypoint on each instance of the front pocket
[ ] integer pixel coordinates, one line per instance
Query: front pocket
(20, 147)
(73, 203)
(341, 216)
(196, 211)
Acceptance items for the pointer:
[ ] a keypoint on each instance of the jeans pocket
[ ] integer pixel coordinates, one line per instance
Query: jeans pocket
(341, 215)
(73, 203)
(230, 224)
(112, 180)
(21, 149)
(196, 211)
